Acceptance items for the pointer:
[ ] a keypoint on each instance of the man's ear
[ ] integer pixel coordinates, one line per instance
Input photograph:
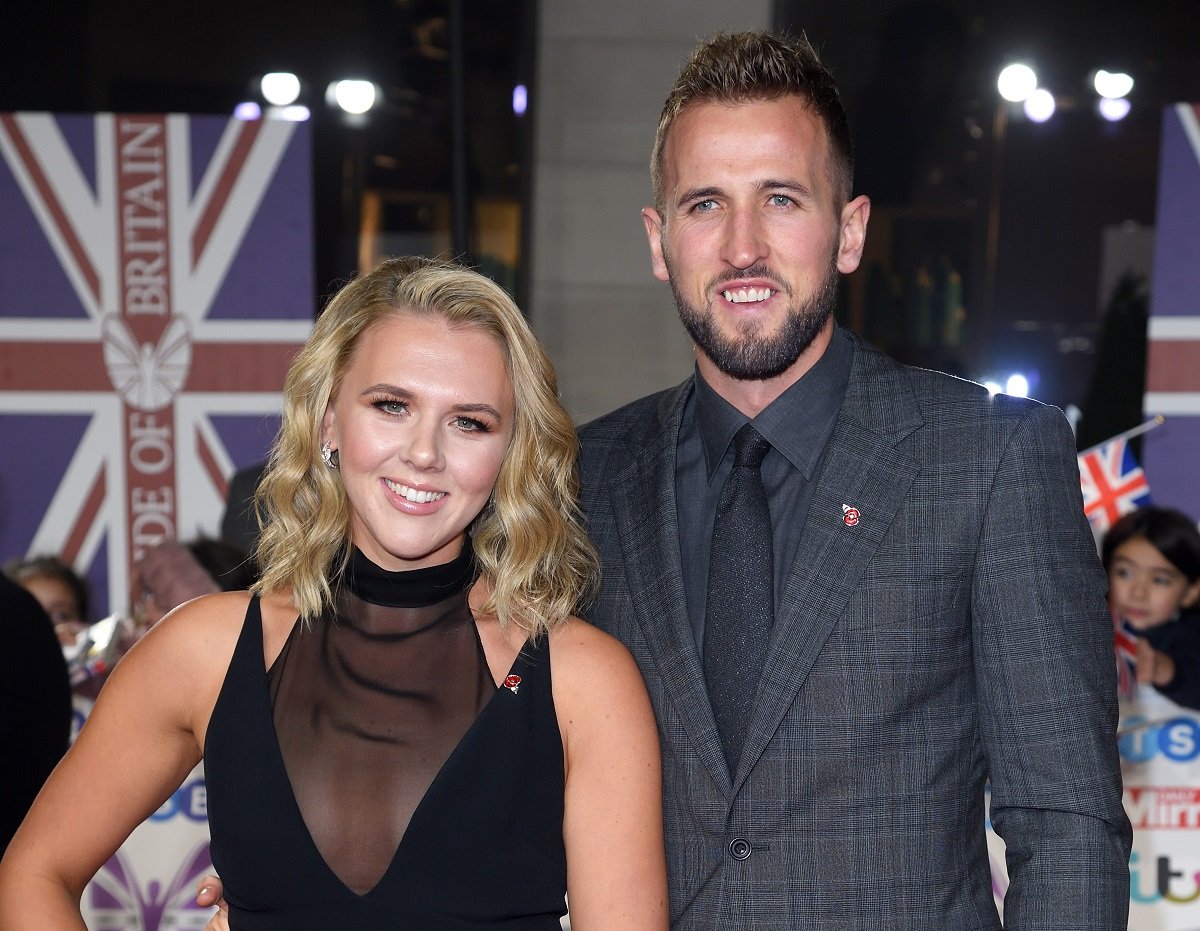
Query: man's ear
(654, 236)
(852, 233)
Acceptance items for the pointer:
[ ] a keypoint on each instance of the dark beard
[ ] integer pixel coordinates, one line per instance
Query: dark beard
(750, 356)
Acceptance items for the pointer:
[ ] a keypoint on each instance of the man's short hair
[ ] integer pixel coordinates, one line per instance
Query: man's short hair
(744, 67)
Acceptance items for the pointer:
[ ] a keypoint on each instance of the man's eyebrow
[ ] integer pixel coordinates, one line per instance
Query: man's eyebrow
(699, 193)
(772, 184)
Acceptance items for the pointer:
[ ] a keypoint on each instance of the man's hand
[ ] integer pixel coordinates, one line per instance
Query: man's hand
(209, 891)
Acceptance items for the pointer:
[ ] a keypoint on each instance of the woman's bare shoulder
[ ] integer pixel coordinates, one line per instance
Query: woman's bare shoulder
(202, 622)
(583, 657)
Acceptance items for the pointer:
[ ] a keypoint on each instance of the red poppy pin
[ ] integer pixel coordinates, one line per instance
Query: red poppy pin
(512, 682)
(849, 515)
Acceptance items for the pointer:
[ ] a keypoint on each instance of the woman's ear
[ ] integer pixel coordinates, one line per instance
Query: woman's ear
(327, 427)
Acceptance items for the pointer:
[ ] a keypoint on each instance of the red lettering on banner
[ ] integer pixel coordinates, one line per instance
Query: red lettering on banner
(136, 358)
(1163, 807)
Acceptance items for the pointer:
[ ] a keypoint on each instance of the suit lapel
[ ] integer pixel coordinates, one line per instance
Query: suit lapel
(643, 501)
(861, 469)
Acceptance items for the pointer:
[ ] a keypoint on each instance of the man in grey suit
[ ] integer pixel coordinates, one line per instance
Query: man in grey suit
(939, 616)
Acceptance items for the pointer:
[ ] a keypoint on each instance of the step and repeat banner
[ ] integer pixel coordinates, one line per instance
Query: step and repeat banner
(155, 282)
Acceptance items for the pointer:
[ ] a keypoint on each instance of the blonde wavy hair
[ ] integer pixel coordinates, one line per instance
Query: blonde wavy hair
(529, 540)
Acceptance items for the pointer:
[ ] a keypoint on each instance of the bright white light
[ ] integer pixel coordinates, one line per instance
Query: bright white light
(296, 113)
(1113, 110)
(1017, 385)
(247, 110)
(1016, 82)
(280, 88)
(993, 387)
(1112, 84)
(1039, 106)
(353, 96)
(520, 99)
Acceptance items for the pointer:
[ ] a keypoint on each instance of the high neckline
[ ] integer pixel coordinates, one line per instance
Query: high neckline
(411, 588)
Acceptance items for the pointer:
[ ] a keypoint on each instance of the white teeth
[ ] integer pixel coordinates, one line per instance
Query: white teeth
(747, 295)
(411, 494)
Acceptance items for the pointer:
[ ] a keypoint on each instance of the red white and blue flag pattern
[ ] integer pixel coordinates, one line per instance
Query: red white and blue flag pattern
(1125, 642)
(155, 281)
(1172, 452)
(1113, 483)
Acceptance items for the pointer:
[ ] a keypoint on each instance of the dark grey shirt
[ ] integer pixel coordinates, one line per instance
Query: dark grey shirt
(797, 424)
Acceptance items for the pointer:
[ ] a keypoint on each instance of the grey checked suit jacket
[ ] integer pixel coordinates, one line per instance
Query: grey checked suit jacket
(957, 632)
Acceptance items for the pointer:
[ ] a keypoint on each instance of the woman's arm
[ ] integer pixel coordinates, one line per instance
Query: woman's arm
(141, 740)
(612, 826)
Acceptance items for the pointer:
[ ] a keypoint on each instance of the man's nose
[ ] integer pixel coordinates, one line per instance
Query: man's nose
(745, 239)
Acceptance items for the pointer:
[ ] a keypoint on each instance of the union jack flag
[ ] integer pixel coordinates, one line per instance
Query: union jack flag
(155, 281)
(1113, 483)
(1125, 641)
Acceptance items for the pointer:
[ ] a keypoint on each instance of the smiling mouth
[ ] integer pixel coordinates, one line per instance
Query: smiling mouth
(747, 295)
(412, 494)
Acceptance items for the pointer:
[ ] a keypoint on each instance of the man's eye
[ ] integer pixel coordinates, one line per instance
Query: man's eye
(705, 206)
(780, 200)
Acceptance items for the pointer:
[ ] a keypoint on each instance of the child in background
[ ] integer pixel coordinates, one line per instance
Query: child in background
(59, 589)
(1152, 557)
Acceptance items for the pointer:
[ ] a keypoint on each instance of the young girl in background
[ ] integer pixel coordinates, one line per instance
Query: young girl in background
(1152, 557)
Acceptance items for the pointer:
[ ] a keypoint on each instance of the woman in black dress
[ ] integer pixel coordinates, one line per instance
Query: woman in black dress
(402, 725)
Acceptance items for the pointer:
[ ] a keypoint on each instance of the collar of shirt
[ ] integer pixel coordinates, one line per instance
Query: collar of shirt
(797, 424)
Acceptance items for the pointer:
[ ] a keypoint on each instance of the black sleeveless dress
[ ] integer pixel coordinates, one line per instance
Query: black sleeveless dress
(376, 778)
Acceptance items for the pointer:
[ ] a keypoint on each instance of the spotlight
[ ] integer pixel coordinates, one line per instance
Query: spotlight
(1016, 82)
(352, 96)
(1017, 385)
(247, 110)
(1113, 109)
(1039, 106)
(280, 88)
(1112, 84)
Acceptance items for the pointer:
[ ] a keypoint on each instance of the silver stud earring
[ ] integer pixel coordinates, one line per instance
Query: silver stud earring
(329, 456)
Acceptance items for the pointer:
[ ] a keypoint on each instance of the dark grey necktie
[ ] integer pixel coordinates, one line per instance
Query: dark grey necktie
(740, 608)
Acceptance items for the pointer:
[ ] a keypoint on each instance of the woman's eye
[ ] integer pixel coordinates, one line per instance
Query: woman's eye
(391, 406)
(471, 425)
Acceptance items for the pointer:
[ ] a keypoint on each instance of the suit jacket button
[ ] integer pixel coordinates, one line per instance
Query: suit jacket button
(739, 849)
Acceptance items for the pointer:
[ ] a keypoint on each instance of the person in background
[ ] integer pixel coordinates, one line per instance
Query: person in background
(402, 726)
(59, 589)
(240, 519)
(174, 572)
(35, 704)
(1152, 556)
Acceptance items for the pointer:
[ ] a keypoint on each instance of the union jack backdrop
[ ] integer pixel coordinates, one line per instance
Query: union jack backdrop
(155, 282)
(1171, 453)
(1113, 483)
